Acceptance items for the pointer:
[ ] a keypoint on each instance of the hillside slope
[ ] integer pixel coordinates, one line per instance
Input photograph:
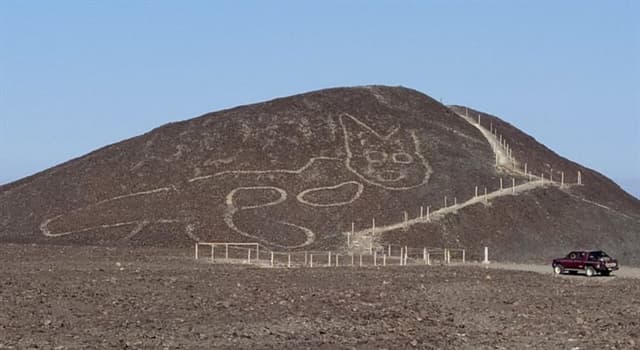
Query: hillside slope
(298, 172)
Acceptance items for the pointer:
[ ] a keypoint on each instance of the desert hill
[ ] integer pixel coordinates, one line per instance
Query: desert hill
(296, 173)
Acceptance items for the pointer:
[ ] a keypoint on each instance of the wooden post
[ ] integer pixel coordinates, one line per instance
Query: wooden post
(257, 253)
(271, 259)
(406, 219)
(305, 259)
(513, 185)
(196, 251)
(455, 201)
(370, 247)
(485, 195)
(497, 160)
(310, 260)
(375, 258)
(288, 260)
(551, 175)
(530, 177)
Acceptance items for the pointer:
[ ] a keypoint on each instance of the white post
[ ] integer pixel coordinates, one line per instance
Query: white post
(500, 184)
(525, 168)
(226, 251)
(478, 119)
(306, 258)
(421, 212)
(485, 195)
(445, 201)
(348, 239)
(463, 256)
(401, 254)
(513, 185)
(455, 201)
(271, 259)
(329, 261)
(476, 195)
(424, 255)
(579, 178)
(370, 247)
(389, 252)
(288, 260)
(375, 258)
(384, 260)
(310, 260)
(542, 178)
(406, 255)
(551, 175)
(497, 160)
(249, 256)
(428, 219)
(352, 259)
(337, 260)
(212, 253)
(486, 255)
(428, 259)
(196, 251)
(373, 226)
(257, 253)
(360, 260)
(353, 228)
(406, 219)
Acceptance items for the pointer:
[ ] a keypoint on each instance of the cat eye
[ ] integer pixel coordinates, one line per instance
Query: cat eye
(376, 156)
(402, 158)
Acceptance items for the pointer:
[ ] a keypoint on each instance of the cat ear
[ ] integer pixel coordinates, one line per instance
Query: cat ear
(359, 135)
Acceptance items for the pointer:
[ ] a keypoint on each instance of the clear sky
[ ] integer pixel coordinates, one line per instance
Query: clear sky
(78, 75)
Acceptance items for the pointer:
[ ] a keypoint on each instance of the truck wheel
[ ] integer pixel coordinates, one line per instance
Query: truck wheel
(589, 271)
(557, 269)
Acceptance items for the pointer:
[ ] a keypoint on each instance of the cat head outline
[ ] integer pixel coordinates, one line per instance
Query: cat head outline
(392, 161)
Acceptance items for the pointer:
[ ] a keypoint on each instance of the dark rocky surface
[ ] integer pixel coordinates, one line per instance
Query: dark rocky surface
(295, 172)
(60, 297)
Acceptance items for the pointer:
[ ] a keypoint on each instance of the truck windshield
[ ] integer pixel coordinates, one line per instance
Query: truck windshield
(598, 254)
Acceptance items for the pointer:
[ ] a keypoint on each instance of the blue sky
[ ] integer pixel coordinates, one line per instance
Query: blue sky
(77, 75)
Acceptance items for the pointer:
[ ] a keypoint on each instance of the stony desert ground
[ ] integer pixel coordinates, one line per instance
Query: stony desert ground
(70, 297)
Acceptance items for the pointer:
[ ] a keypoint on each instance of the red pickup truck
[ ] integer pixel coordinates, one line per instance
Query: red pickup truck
(590, 262)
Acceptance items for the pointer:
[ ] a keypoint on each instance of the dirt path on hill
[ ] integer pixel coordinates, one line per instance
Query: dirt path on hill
(366, 239)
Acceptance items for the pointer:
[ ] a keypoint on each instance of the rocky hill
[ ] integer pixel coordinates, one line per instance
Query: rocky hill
(299, 173)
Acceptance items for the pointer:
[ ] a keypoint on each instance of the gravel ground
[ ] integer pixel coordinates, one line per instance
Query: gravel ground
(54, 297)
